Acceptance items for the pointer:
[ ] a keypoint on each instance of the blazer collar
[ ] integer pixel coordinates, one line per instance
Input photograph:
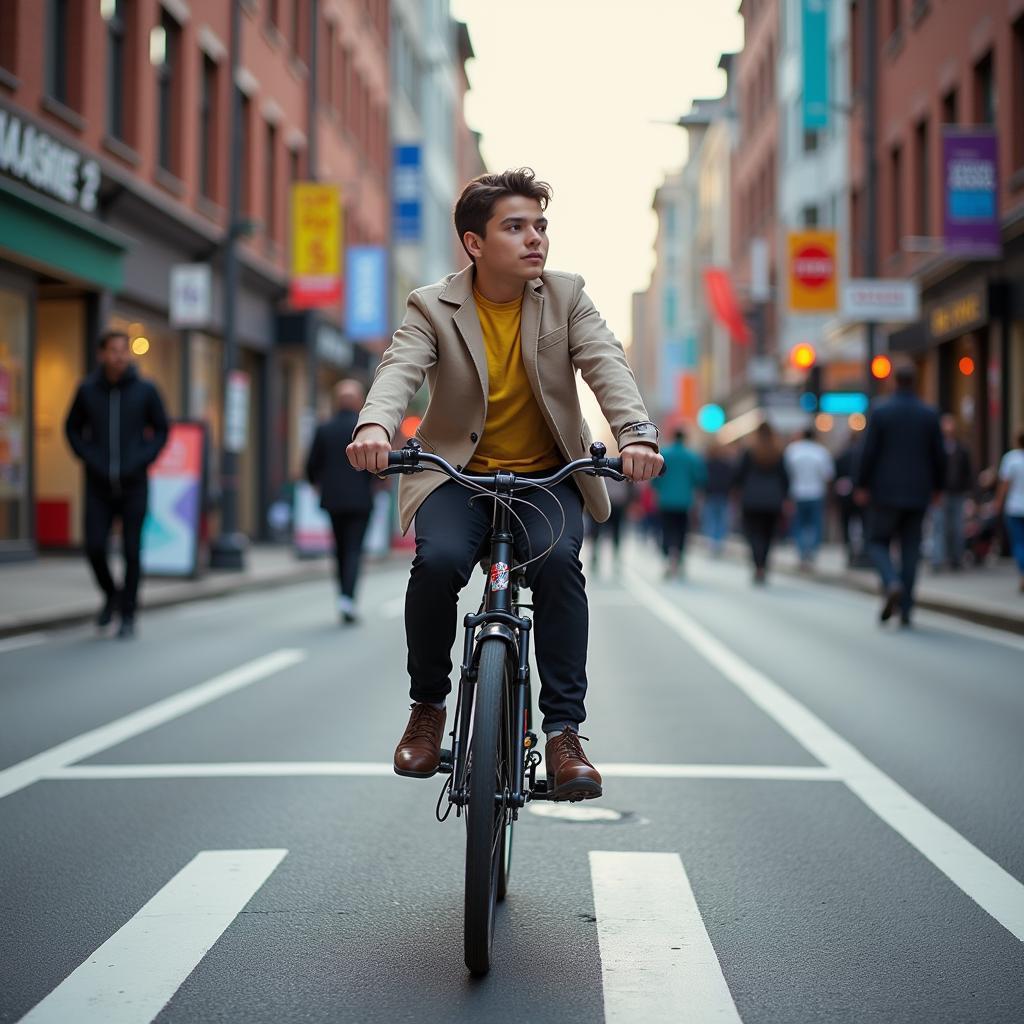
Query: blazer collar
(458, 289)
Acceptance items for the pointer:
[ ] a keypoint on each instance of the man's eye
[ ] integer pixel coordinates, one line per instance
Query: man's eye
(513, 227)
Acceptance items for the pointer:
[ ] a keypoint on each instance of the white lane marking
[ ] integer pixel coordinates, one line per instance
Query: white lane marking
(394, 608)
(993, 888)
(657, 961)
(15, 643)
(32, 769)
(134, 974)
(267, 769)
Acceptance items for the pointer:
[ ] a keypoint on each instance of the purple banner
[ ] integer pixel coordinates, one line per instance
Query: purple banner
(970, 174)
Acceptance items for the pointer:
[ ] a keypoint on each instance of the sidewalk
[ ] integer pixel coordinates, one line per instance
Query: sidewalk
(58, 590)
(987, 594)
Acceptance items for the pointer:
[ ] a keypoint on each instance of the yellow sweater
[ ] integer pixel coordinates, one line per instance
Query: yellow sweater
(515, 437)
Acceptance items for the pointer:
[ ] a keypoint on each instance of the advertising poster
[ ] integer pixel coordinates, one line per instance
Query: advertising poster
(970, 174)
(170, 534)
(316, 245)
(311, 524)
(407, 194)
(815, 64)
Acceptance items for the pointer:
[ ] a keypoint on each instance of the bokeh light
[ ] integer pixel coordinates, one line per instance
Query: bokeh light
(823, 422)
(966, 365)
(881, 367)
(140, 346)
(711, 418)
(858, 421)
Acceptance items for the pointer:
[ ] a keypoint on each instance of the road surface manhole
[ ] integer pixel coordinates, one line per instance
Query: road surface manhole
(577, 813)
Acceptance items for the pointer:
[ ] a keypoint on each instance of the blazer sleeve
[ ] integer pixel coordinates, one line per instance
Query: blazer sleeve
(599, 356)
(413, 351)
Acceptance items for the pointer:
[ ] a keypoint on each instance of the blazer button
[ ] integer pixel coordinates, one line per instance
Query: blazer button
(473, 436)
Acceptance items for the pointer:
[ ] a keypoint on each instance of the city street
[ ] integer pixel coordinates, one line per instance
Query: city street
(806, 818)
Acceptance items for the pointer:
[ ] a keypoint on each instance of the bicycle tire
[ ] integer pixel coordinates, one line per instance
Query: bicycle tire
(514, 736)
(484, 817)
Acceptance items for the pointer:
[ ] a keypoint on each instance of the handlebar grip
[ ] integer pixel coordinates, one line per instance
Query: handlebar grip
(616, 465)
(396, 459)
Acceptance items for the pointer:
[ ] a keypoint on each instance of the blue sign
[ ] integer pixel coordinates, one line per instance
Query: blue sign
(407, 194)
(815, 64)
(366, 292)
(844, 403)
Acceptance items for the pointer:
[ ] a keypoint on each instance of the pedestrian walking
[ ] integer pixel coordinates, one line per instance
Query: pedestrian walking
(900, 472)
(851, 518)
(721, 471)
(763, 484)
(116, 426)
(1010, 501)
(346, 494)
(620, 494)
(685, 474)
(811, 469)
(947, 518)
(500, 344)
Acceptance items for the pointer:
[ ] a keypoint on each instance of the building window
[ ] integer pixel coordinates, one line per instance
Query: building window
(856, 233)
(922, 195)
(985, 91)
(1017, 127)
(895, 16)
(896, 197)
(810, 140)
(294, 166)
(116, 14)
(327, 72)
(270, 184)
(298, 43)
(949, 107)
(9, 35)
(57, 33)
(245, 148)
(809, 216)
(208, 128)
(166, 48)
(274, 13)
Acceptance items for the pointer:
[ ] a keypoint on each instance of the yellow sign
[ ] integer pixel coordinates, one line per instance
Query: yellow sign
(316, 244)
(813, 271)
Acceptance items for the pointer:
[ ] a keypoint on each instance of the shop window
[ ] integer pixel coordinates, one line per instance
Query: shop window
(922, 191)
(208, 122)
(14, 426)
(985, 90)
(165, 52)
(9, 36)
(270, 184)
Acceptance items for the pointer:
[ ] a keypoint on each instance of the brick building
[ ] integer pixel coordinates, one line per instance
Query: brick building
(114, 165)
(941, 63)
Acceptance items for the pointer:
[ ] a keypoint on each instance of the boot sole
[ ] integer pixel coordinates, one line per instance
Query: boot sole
(416, 775)
(571, 792)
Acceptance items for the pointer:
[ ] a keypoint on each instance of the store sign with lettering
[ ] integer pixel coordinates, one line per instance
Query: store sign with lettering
(38, 159)
(958, 315)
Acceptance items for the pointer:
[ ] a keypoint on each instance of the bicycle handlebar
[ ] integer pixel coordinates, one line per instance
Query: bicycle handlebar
(408, 459)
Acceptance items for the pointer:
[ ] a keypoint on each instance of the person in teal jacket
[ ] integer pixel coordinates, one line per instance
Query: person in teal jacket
(685, 473)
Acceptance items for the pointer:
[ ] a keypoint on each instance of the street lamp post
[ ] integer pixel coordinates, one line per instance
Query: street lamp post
(229, 548)
(869, 135)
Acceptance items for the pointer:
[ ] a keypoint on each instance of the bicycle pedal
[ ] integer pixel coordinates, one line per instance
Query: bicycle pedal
(530, 740)
(445, 765)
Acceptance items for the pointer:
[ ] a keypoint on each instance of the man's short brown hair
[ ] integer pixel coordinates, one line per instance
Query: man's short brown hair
(108, 336)
(476, 204)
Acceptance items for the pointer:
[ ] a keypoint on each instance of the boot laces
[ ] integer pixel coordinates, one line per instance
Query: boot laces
(422, 724)
(573, 748)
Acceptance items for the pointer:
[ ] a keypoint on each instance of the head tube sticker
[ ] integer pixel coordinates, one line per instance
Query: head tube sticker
(499, 576)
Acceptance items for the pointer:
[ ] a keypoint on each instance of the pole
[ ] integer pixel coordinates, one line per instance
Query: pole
(869, 39)
(312, 154)
(228, 550)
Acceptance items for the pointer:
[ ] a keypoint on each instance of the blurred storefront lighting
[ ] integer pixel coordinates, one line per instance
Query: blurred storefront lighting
(803, 356)
(140, 346)
(881, 367)
(966, 365)
(823, 422)
(711, 418)
(857, 421)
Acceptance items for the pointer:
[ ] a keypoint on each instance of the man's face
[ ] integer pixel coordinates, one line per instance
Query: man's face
(115, 356)
(516, 243)
(949, 427)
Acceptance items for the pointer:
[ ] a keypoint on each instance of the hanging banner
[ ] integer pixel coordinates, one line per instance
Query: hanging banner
(815, 64)
(316, 245)
(812, 271)
(236, 411)
(407, 193)
(170, 533)
(366, 271)
(970, 174)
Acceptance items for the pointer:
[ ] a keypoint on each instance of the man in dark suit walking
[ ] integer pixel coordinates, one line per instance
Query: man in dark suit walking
(345, 493)
(901, 471)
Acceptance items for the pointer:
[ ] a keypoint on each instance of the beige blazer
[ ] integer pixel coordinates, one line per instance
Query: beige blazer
(441, 339)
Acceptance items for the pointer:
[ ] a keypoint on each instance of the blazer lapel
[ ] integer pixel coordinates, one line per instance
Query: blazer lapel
(459, 292)
(533, 306)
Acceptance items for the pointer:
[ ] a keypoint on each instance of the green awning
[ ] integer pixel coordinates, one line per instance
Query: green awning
(60, 239)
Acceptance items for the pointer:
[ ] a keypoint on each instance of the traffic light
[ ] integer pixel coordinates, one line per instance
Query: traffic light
(881, 367)
(802, 356)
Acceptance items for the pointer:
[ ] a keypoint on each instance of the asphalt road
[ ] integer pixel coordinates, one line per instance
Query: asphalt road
(806, 818)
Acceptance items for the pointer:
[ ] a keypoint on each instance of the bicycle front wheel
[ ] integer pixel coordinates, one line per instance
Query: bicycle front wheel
(490, 756)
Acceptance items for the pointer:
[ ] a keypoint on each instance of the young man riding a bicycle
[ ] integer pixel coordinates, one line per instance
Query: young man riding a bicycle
(499, 344)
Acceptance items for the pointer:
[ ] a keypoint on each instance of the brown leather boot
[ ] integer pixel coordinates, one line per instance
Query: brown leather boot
(418, 753)
(571, 776)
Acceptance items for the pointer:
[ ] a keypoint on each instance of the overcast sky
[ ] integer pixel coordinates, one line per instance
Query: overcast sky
(571, 88)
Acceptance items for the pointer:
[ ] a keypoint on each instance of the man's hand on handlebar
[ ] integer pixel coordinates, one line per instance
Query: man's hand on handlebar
(640, 462)
(369, 448)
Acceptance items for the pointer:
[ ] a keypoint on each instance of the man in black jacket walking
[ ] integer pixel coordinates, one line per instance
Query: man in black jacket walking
(116, 426)
(345, 493)
(901, 470)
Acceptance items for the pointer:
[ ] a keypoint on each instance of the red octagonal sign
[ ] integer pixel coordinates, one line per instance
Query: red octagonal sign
(812, 266)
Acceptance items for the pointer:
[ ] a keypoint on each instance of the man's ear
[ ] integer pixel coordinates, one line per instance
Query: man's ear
(473, 243)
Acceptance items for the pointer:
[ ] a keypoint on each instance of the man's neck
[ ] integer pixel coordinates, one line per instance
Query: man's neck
(494, 288)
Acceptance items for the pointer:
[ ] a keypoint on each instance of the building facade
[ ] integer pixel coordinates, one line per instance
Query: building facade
(115, 170)
(961, 66)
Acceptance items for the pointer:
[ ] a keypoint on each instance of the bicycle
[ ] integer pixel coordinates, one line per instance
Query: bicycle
(492, 764)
